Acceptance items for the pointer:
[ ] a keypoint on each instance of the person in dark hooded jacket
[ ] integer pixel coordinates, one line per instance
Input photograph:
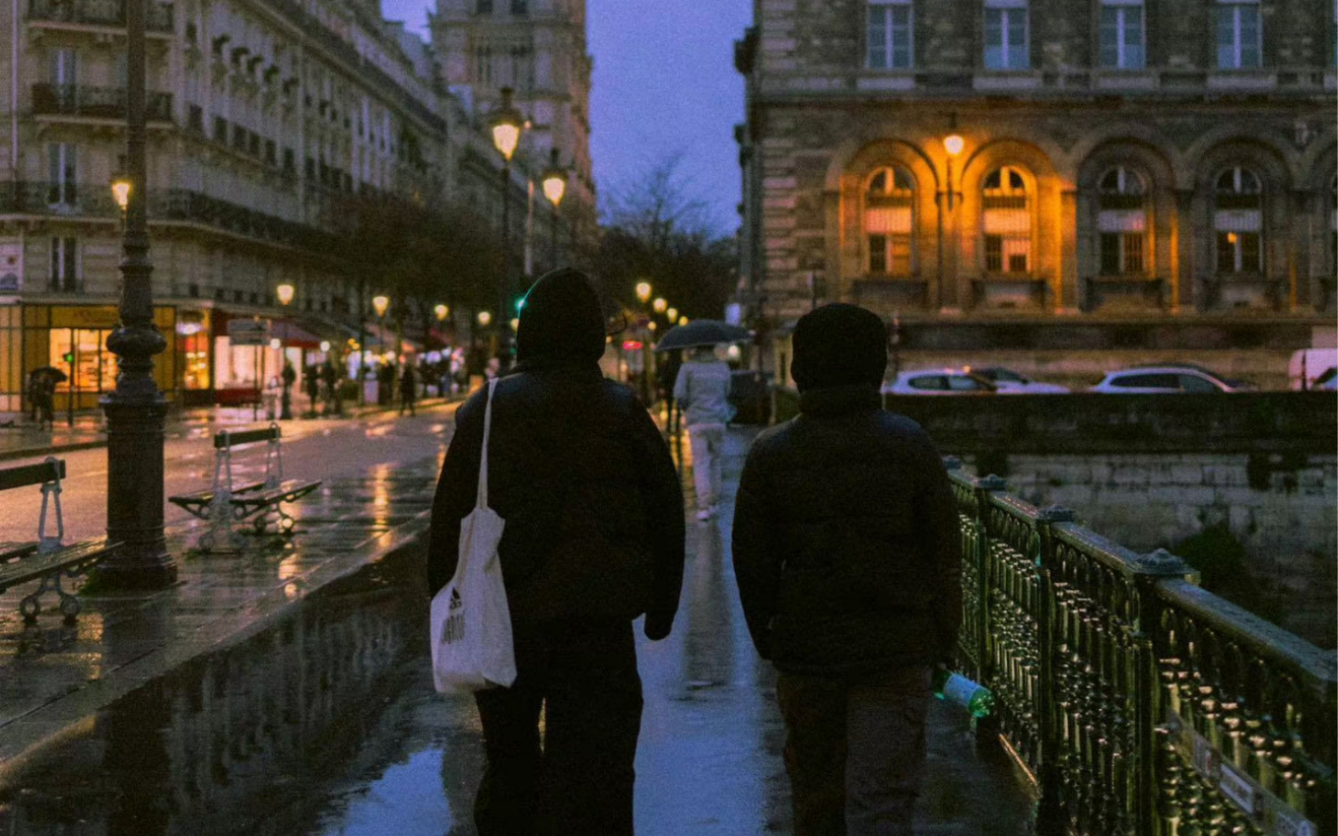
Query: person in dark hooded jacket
(848, 560)
(594, 537)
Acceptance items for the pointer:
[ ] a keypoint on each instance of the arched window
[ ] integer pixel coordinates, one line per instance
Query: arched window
(1007, 222)
(1238, 221)
(888, 218)
(1122, 222)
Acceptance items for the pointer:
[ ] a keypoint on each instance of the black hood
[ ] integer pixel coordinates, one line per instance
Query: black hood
(562, 320)
(839, 345)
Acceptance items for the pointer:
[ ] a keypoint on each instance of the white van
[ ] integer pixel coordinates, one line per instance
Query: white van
(1312, 368)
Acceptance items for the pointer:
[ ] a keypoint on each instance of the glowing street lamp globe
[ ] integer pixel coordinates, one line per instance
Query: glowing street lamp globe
(485, 318)
(682, 320)
(285, 292)
(381, 304)
(672, 313)
(660, 305)
(506, 126)
(442, 311)
(120, 187)
(643, 292)
(953, 144)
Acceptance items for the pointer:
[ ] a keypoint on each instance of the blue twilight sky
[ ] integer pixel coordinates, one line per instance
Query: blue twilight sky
(664, 83)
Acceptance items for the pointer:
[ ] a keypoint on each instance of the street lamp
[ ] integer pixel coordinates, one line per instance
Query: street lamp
(285, 292)
(380, 304)
(485, 319)
(135, 408)
(643, 292)
(682, 320)
(442, 311)
(672, 314)
(507, 124)
(555, 186)
(660, 305)
(120, 188)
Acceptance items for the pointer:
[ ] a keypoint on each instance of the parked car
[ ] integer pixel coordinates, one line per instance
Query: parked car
(1236, 384)
(1309, 368)
(939, 382)
(1161, 380)
(1011, 382)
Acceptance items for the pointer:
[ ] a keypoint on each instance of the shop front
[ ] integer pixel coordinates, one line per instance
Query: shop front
(73, 340)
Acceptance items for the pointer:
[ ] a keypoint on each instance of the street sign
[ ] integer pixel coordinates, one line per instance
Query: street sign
(248, 331)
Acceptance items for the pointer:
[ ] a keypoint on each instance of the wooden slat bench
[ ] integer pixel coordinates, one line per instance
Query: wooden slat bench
(46, 559)
(224, 503)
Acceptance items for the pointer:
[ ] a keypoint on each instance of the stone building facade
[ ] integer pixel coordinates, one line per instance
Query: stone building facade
(264, 115)
(1036, 176)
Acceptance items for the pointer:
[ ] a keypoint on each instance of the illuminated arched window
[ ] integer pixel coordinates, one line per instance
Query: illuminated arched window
(1122, 222)
(1006, 221)
(888, 218)
(1238, 221)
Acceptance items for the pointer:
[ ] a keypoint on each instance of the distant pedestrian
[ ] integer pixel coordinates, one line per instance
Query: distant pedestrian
(702, 389)
(594, 538)
(408, 389)
(848, 561)
(46, 402)
(312, 380)
(331, 380)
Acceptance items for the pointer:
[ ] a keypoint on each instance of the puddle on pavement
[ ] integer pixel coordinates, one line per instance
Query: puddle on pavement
(260, 738)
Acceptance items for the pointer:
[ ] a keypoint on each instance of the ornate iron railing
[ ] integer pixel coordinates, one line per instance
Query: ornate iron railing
(1138, 703)
(158, 16)
(95, 102)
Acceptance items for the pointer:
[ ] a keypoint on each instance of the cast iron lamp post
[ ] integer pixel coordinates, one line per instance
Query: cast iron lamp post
(285, 292)
(136, 408)
(381, 304)
(506, 127)
(555, 186)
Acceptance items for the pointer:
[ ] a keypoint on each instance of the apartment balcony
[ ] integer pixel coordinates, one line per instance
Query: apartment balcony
(178, 206)
(97, 15)
(95, 103)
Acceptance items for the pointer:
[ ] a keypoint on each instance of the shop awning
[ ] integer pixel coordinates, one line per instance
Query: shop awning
(293, 335)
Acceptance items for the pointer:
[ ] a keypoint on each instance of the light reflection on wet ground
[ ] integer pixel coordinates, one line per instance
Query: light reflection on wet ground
(328, 725)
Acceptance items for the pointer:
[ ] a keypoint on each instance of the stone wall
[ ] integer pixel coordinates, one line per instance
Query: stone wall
(1281, 508)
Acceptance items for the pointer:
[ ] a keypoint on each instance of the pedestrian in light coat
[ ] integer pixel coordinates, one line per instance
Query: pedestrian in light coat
(702, 389)
(848, 561)
(594, 538)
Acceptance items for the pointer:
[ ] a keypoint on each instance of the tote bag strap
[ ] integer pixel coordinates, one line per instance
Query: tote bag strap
(482, 499)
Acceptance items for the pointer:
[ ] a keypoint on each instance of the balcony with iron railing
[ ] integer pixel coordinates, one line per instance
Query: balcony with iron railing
(98, 13)
(91, 201)
(82, 101)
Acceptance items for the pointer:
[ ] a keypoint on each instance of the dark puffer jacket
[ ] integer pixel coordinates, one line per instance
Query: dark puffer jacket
(846, 545)
(579, 472)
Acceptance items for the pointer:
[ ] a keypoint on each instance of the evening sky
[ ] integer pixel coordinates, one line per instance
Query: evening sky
(664, 84)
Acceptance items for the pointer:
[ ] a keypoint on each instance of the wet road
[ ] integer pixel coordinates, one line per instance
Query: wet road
(328, 725)
(316, 449)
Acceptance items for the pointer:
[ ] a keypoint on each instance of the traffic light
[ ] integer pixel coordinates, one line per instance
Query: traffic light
(69, 357)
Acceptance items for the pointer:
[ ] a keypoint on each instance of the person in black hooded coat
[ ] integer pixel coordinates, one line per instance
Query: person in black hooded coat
(848, 561)
(594, 538)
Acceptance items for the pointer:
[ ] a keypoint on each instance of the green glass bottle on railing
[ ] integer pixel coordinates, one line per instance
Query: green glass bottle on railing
(957, 689)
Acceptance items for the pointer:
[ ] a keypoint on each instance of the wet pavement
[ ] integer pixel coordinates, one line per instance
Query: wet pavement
(320, 718)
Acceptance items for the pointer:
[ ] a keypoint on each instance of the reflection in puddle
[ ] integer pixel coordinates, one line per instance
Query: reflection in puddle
(243, 740)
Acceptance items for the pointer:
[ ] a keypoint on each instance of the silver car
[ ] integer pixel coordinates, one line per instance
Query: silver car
(939, 382)
(1161, 380)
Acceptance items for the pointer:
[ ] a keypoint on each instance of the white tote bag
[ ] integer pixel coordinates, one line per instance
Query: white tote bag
(472, 647)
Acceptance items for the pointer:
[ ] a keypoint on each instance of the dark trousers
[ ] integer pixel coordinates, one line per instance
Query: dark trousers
(855, 750)
(578, 778)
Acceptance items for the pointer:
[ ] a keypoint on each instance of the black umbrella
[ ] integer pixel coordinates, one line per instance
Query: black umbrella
(702, 332)
(49, 371)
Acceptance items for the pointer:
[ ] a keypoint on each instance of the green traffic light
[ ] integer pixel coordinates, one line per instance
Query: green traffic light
(69, 358)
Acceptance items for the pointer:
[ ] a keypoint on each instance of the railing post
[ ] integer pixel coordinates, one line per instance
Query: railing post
(1148, 710)
(985, 487)
(1051, 818)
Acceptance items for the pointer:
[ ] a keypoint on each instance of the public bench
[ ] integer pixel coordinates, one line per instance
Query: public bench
(46, 559)
(224, 502)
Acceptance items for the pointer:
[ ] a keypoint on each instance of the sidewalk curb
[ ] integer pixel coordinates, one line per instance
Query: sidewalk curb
(28, 735)
(74, 446)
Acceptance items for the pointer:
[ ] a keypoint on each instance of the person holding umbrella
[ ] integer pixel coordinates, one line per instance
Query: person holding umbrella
(702, 391)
